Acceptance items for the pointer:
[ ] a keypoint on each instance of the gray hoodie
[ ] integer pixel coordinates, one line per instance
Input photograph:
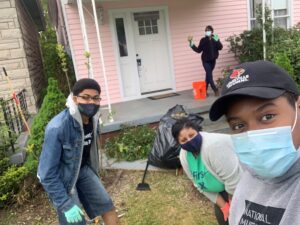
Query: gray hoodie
(258, 201)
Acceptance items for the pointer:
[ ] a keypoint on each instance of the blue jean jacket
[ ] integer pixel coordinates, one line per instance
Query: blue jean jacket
(60, 160)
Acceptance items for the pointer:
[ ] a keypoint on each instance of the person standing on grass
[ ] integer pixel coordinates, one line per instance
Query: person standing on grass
(69, 162)
(210, 46)
(209, 161)
(261, 104)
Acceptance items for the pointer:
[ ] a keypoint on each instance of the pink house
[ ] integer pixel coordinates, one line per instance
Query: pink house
(141, 48)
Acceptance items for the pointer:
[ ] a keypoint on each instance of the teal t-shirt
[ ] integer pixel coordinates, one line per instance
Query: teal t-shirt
(201, 176)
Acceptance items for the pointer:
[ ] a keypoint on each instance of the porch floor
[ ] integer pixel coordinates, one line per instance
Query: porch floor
(145, 111)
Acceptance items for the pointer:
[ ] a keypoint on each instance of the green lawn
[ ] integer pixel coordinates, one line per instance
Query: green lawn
(172, 201)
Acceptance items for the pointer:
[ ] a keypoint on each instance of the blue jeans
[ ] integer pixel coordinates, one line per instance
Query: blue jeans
(91, 195)
(209, 67)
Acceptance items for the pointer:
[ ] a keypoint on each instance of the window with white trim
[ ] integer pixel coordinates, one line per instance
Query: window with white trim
(281, 12)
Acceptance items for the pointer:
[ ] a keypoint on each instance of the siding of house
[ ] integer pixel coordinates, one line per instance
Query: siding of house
(296, 12)
(185, 18)
(18, 39)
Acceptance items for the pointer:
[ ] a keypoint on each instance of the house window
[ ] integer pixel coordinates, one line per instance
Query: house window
(254, 4)
(121, 37)
(280, 12)
(147, 22)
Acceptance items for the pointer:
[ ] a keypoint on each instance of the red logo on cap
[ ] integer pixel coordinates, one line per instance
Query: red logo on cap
(236, 73)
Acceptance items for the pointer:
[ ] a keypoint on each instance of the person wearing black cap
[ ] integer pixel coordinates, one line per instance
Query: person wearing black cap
(209, 46)
(261, 104)
(69, 162)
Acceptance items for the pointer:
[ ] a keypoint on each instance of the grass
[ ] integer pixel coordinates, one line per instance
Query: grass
(172, 201)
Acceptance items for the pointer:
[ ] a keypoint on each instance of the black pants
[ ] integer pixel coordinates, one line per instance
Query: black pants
(219, 213)
(209, 67)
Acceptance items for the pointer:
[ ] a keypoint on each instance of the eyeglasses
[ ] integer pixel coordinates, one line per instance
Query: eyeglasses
(89, 98)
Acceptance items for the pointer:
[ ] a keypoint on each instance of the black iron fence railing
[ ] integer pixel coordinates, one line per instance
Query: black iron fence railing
(11, 116)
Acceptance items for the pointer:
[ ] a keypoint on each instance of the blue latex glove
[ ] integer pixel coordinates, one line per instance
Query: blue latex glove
(216, 37)
(74, 214)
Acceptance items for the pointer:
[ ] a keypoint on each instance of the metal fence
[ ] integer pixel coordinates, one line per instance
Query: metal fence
(11, 116)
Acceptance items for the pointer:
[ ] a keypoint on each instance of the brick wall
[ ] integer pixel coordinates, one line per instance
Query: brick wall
(20, 53)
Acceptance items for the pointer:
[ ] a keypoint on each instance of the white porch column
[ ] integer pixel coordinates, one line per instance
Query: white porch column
(85, 37)
(264, 30)
(102, 60)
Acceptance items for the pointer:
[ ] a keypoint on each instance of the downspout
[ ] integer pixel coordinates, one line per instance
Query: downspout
(102, 60)
(85, 38)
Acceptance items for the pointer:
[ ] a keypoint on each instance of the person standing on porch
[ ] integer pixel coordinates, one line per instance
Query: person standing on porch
(69, 162)
(210, 46)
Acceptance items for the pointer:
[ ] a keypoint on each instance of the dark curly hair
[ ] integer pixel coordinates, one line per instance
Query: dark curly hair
(182, 124)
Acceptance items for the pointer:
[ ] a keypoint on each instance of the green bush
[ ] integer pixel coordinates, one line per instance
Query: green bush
(248, 46)
(12, 177)
(282, 46)
(131, 144)
(10, 183)
(4, 165)
(53, 66)
(53, 103)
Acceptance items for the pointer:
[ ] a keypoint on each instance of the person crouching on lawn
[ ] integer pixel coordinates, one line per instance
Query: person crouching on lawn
(209, 161)
(69, 162)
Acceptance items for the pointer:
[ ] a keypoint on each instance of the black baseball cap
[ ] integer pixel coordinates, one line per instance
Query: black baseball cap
(261, 79)
(85, 83)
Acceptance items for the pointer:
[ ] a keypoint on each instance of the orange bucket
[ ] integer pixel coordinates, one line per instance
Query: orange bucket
(199, 88)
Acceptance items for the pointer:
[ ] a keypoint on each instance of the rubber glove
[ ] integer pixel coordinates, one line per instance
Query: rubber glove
(190, 40)
(74, 214)
(216, 37)
(225, 211)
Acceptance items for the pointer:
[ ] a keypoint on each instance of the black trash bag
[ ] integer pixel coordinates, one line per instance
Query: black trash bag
(165, 150)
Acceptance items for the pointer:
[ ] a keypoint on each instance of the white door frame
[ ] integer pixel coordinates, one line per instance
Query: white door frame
(111, 12)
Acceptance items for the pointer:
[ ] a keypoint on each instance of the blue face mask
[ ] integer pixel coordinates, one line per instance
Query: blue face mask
(193, 145)
(268, 152)
(208, 33)
(88, 110)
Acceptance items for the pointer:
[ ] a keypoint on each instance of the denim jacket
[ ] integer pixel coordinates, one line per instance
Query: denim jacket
(60, 160)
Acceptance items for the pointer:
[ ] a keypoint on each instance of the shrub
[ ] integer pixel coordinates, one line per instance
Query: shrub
(131, 144)
(4, 165)
(53, 103)
(282, 46)
(10, 183)
(248, 46)
(12, 178)
(52, 61)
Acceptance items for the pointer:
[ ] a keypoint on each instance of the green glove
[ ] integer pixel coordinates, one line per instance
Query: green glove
(216, 37)
(74, 214)
(190, 40)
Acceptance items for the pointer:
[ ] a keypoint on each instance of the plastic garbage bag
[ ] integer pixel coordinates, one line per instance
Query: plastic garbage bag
(165, 151)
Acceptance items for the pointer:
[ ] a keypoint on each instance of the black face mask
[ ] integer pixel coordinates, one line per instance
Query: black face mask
(88, 110)
(193, 145)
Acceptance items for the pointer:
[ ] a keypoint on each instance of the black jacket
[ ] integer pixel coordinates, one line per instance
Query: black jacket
(209, 48)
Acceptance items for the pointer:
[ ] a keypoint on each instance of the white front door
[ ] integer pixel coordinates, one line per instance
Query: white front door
(142, 50)
(152, 52)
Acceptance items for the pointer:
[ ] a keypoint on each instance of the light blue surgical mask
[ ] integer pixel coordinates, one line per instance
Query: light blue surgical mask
(268, 152)
(208, 33)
